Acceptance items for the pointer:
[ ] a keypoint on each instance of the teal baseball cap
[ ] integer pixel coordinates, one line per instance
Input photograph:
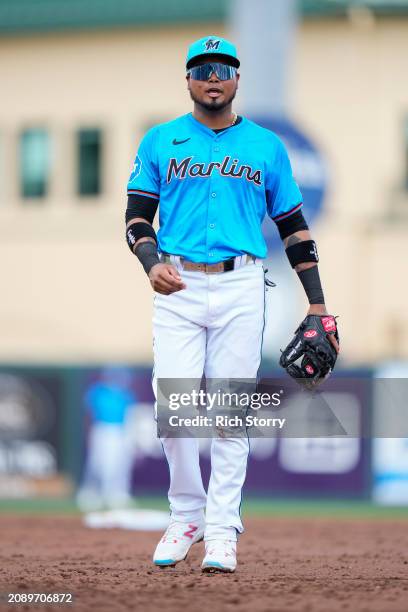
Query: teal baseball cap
(212, 45)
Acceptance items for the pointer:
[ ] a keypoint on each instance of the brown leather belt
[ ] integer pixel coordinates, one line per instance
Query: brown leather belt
(216, 268)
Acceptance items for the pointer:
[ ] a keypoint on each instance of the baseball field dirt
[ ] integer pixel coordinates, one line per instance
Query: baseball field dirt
(285, 564)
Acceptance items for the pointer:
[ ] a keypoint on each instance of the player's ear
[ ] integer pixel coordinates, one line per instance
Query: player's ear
(188, 81)
(238, 77)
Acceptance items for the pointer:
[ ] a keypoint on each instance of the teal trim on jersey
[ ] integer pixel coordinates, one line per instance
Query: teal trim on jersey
(212, 45)
(215, 189)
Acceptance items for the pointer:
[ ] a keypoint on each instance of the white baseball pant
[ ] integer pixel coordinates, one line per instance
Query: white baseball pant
(214, 326)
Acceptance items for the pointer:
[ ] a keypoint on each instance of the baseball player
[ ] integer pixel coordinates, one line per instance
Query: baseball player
(214, 176)
(108, 463)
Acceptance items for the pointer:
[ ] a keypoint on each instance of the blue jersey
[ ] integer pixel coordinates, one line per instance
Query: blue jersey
(108, 403)
(214, 189)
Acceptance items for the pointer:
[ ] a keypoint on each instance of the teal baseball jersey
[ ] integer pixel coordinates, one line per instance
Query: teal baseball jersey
(214, 189)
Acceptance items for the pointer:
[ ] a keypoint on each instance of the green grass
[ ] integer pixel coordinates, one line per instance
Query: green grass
(252, 506)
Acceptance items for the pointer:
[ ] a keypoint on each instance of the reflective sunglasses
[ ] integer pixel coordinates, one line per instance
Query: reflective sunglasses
(204, 71)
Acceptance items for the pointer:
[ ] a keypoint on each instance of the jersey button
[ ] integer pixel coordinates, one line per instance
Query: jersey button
(212, 225)
(213, 195)
(216, 149)
(210, 254)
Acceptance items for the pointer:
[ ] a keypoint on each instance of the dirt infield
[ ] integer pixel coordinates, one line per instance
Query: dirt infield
(284, 565)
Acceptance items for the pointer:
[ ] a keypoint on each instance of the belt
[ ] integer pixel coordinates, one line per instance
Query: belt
(216, 268)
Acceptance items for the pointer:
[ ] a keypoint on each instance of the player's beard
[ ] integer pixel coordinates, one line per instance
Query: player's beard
(214, 106)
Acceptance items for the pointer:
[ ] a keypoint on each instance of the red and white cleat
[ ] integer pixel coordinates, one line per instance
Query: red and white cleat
(220, 556)
(176, 542)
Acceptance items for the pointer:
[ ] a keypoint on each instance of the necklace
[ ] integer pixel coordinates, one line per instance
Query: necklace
(234, 119)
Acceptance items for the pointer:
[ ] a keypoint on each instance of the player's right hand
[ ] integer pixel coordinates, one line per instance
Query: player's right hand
(165, 279)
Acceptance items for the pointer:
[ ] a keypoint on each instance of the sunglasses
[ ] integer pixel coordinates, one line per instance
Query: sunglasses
(203, 72)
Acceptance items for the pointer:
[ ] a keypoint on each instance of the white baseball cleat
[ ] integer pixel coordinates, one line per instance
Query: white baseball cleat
(220, 556)
(176, 542)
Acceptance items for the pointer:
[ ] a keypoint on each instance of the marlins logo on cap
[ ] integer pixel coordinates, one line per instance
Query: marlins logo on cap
(212, 45)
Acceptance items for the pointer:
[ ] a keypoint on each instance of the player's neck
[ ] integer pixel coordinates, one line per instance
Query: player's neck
(214, 120)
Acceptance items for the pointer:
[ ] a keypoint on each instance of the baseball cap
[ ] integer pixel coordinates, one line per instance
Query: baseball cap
(212, 45)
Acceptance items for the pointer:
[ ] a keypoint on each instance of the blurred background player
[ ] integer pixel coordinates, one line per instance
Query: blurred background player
(107, 472)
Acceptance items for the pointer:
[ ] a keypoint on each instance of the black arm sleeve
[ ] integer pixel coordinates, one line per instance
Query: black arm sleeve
(310, 280)
(146, 252)
(141, 206)
(290, 225)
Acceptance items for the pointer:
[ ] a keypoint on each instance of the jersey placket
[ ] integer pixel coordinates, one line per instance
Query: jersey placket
(213, 201)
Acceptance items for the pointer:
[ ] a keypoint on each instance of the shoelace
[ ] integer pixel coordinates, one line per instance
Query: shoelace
(174, 531)
(222, 547)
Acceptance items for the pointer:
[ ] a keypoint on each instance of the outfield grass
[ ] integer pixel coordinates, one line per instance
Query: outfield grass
(252, 506)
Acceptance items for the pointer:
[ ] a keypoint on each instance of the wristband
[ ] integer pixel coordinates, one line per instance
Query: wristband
(302, 252)
(139, 230)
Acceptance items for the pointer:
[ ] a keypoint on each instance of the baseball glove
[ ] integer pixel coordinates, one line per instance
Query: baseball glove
(312, 345)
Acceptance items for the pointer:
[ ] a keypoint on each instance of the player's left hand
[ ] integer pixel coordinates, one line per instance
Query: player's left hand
(316, 345)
